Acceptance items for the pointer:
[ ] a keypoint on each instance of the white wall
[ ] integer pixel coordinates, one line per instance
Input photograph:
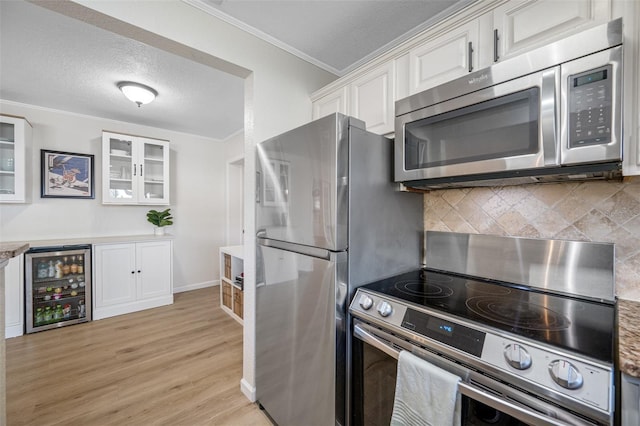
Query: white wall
(235, 189)
(277, 94)
(197, 188)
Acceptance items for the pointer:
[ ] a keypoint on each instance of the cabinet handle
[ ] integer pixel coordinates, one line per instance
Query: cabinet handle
(138, 270)
(495, 45)
(140, 170)
(133, 272)
(470, 56)
(134, 170)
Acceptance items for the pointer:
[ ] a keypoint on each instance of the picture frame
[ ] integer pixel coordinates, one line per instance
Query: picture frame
(66, 175)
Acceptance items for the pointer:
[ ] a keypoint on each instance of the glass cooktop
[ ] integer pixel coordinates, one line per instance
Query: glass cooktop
(577, 325)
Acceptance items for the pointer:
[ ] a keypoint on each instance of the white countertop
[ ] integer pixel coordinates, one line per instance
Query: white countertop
(95, 240)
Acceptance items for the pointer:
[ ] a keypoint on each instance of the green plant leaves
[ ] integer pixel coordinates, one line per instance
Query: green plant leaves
(162, 218)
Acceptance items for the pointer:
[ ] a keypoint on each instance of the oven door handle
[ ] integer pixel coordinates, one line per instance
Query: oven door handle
(473, 392)
(370, 339)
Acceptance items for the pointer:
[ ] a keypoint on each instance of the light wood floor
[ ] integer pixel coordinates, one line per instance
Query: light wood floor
(175, 365)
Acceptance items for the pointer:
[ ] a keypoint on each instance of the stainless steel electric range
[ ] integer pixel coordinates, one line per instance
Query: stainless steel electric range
(527, 324)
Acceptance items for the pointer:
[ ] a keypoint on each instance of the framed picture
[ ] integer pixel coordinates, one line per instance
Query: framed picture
(66, 175)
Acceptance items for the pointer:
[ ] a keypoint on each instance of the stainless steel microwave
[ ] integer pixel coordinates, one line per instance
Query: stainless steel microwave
(552, 114)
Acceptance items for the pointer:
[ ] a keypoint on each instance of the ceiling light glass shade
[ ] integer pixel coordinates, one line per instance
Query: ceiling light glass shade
(138, 93)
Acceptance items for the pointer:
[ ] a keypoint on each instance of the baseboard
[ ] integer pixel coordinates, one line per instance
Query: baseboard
(14, 331)
(127, 308)
(196, 286)
(248, 390)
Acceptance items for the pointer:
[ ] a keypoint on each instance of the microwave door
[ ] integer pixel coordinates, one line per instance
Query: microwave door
(509, 126)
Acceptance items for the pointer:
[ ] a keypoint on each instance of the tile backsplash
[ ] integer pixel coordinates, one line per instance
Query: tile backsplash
(583, 211)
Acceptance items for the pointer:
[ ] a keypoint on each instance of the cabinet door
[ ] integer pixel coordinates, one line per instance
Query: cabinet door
(14, 297)
(118, 169)
(331, 103)
(444, 58)
(135, 170)
(15, 134)
(372, 97)
(115, 273)
(152, 171)
(525, 24)
(153, 269)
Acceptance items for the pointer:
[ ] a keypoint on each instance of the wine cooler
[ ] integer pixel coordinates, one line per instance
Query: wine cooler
(57, 287)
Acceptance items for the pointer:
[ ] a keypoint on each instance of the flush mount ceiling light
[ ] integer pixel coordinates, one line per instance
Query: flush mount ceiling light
(138, 93)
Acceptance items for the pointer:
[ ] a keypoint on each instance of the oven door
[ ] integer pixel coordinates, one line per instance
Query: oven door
(506, 127)
(484, 400)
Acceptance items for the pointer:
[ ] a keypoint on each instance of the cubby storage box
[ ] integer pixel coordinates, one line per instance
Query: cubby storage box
(231, 281)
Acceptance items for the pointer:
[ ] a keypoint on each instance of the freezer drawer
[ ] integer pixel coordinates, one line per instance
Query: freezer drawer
(300, 336)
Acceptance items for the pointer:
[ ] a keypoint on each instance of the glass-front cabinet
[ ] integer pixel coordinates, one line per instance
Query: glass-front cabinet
(135, 170)
(15, 136)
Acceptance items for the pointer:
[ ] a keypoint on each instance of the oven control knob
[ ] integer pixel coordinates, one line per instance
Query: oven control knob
(517, 356)
(385, 309)
(565, 374)
(366, 302)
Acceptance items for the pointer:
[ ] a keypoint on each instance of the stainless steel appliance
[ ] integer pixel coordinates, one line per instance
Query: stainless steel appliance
(528, 325)
(57, 286)
(328, 219)
(552, 114)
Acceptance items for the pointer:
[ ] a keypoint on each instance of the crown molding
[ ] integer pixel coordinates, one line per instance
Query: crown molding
(207, 8)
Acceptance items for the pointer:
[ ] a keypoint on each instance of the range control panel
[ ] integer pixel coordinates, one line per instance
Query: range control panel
(590, 107)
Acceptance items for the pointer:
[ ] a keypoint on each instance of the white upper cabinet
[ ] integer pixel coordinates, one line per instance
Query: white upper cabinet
(15, 141)
(333, 102)
(372, 98)
(521, 25)
(444, 58)
(135, 170)
(486, 32)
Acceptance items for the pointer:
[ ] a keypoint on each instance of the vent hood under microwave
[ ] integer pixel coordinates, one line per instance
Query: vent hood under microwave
(552, 114)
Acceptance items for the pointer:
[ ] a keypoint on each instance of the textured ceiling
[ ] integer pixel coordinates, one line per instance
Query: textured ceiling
(54, 61)
(51, 60)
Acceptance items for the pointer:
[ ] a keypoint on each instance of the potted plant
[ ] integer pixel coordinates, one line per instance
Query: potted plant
(160, 220)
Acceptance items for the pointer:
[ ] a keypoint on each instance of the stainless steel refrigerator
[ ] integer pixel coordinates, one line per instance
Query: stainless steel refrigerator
(328, 219)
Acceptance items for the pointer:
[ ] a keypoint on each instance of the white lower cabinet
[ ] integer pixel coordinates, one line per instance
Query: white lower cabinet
(14, 297)
(131, 277)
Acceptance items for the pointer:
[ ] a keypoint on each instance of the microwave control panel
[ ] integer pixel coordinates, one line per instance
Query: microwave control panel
(590, 107)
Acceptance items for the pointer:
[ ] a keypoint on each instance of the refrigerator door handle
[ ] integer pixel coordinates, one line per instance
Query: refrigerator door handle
(297, 248)
(258, 187)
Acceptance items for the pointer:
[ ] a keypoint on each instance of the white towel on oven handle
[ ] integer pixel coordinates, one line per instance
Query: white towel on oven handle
(426, 395)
